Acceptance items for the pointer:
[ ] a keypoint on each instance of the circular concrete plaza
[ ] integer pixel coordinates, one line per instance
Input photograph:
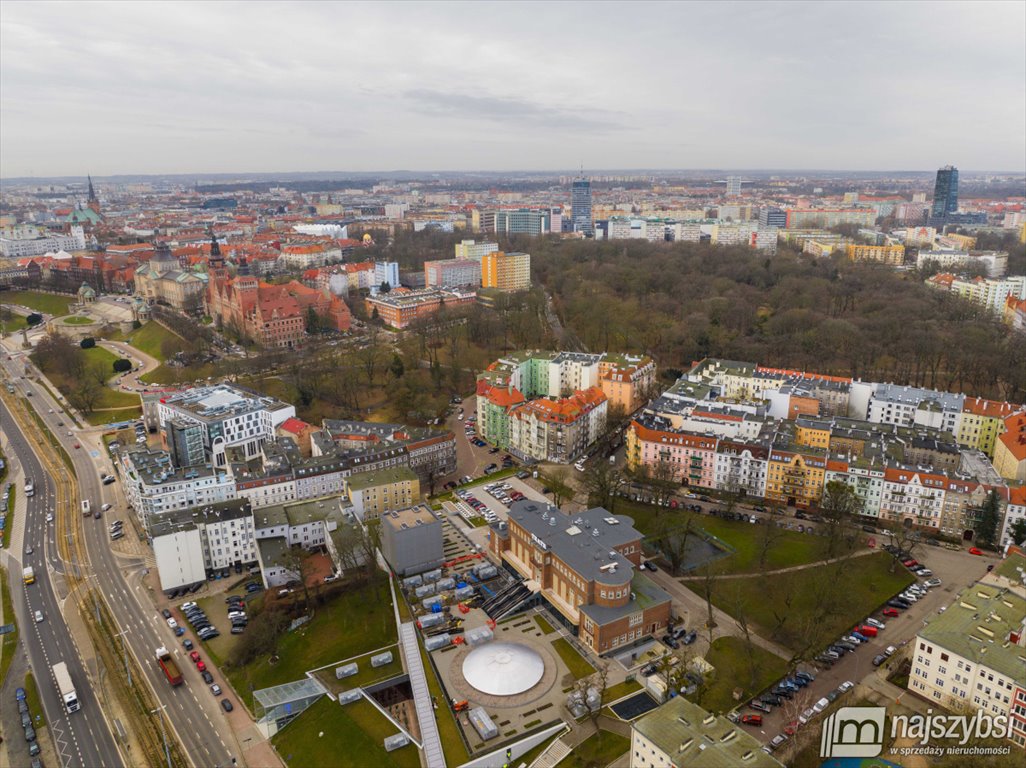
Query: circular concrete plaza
(502, 674)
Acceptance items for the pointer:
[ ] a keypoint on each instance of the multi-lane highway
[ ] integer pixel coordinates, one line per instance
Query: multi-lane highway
(82, 738)
(192, 711)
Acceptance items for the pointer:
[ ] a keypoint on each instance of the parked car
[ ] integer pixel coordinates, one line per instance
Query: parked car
(879, 659)
(758, 706)
(974, 551)
(776, 742)
(226, 705)
(820, 705)
(932, 583)
(806, 716)
(889, 650)
(755, 720)
(846, 686)
(875, 623)
(890, 612)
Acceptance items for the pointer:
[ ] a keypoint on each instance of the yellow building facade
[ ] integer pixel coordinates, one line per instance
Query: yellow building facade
(894, 255)
(506, 271)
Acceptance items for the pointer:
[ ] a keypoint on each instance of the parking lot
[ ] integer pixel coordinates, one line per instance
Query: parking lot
(955, 569)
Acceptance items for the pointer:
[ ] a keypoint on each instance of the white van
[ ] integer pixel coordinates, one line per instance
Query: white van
(85, 507)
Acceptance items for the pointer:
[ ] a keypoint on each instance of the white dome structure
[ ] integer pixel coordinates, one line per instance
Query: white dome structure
(503, 669)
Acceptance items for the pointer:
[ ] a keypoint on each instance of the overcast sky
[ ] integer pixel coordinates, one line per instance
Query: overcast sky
(150, 87)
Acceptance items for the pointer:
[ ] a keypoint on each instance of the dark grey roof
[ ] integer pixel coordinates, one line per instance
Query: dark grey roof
(583, 541)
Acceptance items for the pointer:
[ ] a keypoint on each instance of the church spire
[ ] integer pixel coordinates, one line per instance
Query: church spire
(92, 192)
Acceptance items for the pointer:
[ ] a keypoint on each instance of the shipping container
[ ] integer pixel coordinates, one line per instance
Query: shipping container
(396, 741)
(381, 659)
(431, 620)
(348, 697)
(436, 642)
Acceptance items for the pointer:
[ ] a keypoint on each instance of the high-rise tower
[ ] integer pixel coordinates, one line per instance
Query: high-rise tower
(580, 206)
(945, 192)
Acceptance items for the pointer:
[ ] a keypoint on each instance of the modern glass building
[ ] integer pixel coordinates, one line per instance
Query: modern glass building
(580, 202)
(945, 192)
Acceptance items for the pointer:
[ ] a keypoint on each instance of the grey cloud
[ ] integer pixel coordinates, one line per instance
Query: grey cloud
(511, 111)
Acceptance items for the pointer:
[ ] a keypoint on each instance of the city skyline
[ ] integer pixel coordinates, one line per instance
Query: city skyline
(203, 89)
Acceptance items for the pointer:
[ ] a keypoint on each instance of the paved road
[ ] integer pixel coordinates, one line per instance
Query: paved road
(192, 710)
(82, 738)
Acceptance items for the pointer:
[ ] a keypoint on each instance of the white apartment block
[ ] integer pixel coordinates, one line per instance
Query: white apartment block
(39, 242)
(909, 406)
(995, 262)
(917, 496)
(737, 468)
(573, 371)
(153, 487)
(1016, 510)
(231, 418)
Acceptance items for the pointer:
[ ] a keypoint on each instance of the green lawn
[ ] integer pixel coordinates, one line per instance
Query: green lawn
(788, 549)
(109, 398)
(32, 699)
(8, 642)
(730, 658)
(367, 674)
(166, 374)
(12, 322)
(51, 304)
(151, 336)
(77, 320)
(543, 623)
(349, 736)
(786, 609)
(452, 743)
(618, 691)
(354, 623)
(598, 750)
(577, 664)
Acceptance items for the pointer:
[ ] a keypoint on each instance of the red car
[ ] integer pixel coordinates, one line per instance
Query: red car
(910, 563)
(751, 719)
(892, 612)
(194, 656)
(77, 445)
(791, 728)
(201, 666)
(974, 551)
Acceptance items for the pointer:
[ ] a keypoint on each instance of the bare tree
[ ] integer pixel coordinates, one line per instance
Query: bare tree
(601, 481)
(558, 482)
(840, 507)
(297, 559)
(767, 539)
(672, 537)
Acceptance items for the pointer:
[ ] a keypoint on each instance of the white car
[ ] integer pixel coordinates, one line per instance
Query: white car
(875, 623)
(889, 650)
(820, 705)
(39, 616)
(187, 606)
(172, 623)
(806, 716)
(105, 507)
(846, 686)
(579, 466)
(49, 517)
(932, 583)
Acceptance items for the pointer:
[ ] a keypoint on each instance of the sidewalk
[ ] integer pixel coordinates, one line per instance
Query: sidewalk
(789, 569)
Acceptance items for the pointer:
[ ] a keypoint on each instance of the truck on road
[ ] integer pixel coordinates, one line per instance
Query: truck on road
(28, 575)
(167, 664)
(65, 687)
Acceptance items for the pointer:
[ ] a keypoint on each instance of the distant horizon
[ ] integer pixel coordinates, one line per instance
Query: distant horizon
(498, 173)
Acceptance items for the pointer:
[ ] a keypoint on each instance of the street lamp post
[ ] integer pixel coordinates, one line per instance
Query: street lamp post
(128, 671)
